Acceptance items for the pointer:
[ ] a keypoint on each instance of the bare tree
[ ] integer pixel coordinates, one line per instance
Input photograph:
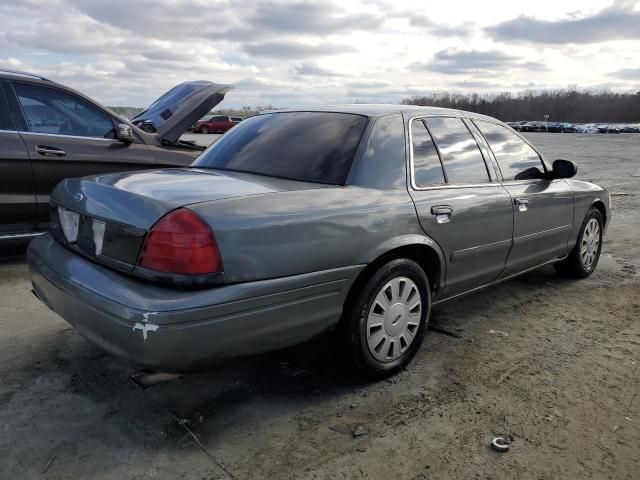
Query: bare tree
(566, 105)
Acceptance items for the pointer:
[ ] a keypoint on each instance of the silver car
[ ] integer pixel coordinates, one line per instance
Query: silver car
(354, 220)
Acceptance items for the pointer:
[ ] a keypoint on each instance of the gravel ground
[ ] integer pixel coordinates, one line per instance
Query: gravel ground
(550, 362)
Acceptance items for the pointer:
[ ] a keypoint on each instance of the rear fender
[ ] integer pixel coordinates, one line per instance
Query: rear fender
(408, 240)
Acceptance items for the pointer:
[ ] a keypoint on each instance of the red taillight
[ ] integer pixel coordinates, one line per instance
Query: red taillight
(181, 243)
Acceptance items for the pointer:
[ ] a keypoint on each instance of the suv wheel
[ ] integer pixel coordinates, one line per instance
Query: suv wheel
(385, 324)
(583, 259)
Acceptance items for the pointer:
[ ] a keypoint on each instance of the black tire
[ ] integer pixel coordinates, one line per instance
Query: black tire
(574, 266)
(148, 128)
(352, 331)
(204, 130)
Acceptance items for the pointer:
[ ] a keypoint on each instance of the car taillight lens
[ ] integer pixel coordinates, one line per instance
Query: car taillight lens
(181, 243)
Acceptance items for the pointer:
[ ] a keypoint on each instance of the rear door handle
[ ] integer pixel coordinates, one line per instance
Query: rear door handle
(442, 213)
(45, 150)
(523, 204)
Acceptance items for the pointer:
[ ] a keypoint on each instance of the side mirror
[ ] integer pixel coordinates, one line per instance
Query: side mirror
(124, 133)
(564, 169)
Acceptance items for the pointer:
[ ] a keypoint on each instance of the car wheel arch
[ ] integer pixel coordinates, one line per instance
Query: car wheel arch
(424, 251)
(599, 204)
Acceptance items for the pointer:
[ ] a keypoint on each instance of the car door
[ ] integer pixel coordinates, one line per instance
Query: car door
(67, 136)
(17, 197)
(459, 202)
(228, 123)
(543, 208)
(217, 124)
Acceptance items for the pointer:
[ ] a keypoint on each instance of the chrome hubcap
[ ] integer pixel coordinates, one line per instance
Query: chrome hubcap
(590, 243)
(394, 318)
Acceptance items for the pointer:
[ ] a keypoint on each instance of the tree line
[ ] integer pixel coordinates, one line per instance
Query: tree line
(566, 105)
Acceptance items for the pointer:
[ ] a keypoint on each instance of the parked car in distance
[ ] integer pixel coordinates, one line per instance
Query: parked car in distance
(554, 127)
(521, 126)
(354, 220)
(216, 124)
(49, 132)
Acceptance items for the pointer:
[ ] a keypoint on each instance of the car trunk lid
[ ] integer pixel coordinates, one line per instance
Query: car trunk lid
(107, 217)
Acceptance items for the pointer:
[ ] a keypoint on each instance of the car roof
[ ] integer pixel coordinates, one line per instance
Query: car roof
(18, 74)
(379, 110)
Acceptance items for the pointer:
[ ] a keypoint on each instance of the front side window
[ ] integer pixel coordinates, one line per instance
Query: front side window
(307, 146)
(516, 159)
(427, 169)
(461, 156)
(48, 110)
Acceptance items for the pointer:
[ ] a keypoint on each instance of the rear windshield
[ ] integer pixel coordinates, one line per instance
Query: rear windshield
(307, 146)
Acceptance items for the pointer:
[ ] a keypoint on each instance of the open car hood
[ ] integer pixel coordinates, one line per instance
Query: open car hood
(179, 108)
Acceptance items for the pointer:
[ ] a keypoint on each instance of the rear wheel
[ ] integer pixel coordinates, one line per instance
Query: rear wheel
(386, 322)
(583, 259)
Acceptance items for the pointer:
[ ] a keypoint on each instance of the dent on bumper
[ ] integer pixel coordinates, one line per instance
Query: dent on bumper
(177, 330)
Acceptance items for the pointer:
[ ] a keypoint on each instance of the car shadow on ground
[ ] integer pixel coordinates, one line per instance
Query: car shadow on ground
(242, 394)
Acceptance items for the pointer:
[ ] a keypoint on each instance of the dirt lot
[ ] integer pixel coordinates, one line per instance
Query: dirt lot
(553, 363)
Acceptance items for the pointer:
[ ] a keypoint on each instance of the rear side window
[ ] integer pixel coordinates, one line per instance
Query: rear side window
(427, 169)
(6, 121)
(49, 110)
(308, 146)
(516, 159)
(461, 156)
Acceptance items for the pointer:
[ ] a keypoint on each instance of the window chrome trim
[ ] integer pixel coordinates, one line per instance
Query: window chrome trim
(15, 236)
(412, 176)
(9, 131)
(69, 136)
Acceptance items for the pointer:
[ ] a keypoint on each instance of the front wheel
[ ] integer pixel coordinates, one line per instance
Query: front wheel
(386, 322)
(204, 130)
(583, 259)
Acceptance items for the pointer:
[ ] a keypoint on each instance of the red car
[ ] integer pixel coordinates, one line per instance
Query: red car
(215, 124)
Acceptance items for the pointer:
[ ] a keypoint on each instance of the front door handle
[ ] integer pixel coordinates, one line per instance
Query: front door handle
(523, 204)
(442, 213)
(45, 150)
(441, 210)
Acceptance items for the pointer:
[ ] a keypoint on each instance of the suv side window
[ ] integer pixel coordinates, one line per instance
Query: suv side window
(461, 156)
(6, 121)
(49, 110)
(516, 159)
(427, 169)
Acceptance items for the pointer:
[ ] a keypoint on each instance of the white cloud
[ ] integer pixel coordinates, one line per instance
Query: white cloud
(288, 53)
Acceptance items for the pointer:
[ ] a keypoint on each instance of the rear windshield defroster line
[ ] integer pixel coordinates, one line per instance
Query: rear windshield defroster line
(306, 146)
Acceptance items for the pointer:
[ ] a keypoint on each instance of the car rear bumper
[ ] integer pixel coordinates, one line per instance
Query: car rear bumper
(178, 330)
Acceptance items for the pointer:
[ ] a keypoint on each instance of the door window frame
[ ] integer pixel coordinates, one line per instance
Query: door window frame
(543, 160)
(24, 129)
(412, 179)
(4, 102)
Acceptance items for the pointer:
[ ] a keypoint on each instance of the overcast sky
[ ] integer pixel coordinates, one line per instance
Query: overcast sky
(291, 53)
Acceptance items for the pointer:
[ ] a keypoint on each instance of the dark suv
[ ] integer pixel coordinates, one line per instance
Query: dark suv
(49, 132)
